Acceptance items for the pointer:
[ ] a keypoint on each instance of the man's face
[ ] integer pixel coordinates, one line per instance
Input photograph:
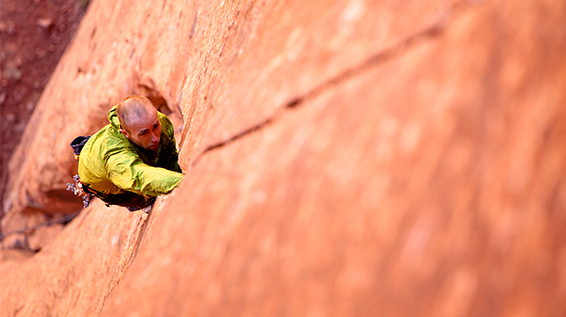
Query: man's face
(144, 130)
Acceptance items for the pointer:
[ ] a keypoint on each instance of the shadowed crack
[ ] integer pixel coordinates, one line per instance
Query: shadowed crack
(434, 31)
(130, 251)
(61, 220)
(238, 136)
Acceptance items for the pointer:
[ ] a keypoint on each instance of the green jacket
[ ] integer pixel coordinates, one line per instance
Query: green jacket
(110, 164)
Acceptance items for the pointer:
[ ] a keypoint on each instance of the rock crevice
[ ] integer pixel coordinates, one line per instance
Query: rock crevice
(403, 47)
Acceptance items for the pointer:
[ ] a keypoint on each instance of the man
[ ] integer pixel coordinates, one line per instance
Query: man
(133, 159)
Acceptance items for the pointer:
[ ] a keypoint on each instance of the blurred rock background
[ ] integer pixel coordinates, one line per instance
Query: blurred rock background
(33, 36)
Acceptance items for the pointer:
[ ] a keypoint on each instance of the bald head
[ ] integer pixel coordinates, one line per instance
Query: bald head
(132, 108)
(139, 122)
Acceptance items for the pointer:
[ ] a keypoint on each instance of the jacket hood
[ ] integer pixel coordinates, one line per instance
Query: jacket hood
(113, 118)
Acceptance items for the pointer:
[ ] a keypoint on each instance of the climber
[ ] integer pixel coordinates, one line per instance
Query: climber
(131, 160)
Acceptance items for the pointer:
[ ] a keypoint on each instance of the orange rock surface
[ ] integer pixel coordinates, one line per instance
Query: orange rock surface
(343, 158)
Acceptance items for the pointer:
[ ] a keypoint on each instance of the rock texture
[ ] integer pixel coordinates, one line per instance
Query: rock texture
(350, 158)
(34, 35)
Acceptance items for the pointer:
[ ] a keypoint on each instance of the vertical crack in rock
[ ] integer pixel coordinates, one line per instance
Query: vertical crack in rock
(130, 250)
(434, 31)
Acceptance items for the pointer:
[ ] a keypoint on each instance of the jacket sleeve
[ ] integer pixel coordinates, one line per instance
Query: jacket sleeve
(127, 170)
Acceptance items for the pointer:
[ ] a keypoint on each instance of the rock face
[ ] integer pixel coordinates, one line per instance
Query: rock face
(33, 36)
(350, 158)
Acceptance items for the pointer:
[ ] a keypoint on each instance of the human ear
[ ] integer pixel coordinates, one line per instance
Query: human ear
(125, 133)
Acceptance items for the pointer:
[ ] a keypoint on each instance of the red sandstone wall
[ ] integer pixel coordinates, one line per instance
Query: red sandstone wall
(342, 159)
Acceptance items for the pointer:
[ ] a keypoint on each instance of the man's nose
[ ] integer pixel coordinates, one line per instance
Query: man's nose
(154, 138)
